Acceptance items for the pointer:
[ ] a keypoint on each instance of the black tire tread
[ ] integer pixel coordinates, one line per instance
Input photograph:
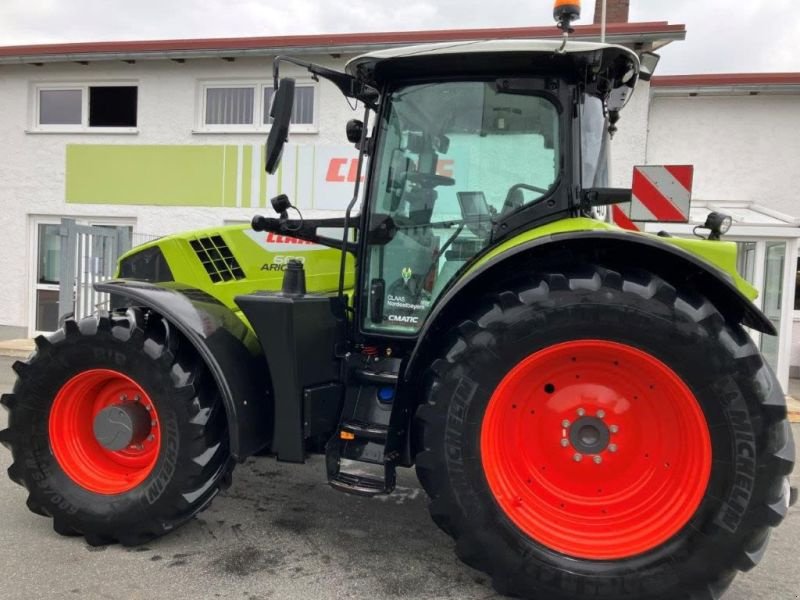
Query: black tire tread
(477, 334)
(141, 331)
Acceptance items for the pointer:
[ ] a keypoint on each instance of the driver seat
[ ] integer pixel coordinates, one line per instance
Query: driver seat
(514, 200)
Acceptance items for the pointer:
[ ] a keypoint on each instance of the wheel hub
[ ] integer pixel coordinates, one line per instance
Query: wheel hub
(589, 435)
(104, 431)
(122, 425)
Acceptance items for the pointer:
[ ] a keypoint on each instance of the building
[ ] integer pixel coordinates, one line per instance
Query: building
(161, 136)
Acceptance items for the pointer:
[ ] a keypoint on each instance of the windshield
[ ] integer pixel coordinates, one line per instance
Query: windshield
(454, 158)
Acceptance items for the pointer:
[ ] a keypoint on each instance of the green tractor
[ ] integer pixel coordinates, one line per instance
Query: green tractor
(583, 405)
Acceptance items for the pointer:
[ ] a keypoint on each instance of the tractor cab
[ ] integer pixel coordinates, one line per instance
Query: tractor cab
(463, 161)
(472, 143)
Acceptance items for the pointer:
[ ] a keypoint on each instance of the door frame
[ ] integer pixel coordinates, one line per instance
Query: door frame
(34, 220)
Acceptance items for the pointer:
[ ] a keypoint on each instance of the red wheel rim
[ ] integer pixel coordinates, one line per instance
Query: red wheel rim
(72, 438)
(542, 449)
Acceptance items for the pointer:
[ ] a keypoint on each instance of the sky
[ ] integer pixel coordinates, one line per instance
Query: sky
(724, 36)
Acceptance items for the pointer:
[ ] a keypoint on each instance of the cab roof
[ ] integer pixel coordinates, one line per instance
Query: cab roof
(616, 65)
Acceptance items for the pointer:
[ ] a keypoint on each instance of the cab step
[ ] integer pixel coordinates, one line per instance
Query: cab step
(364, 485)
(364, 431)
(355, 455)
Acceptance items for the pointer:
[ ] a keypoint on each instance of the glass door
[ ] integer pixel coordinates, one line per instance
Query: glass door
(48, 264)
(774, 261)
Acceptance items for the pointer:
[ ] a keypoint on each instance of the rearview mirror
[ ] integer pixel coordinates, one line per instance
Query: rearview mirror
(281, 114)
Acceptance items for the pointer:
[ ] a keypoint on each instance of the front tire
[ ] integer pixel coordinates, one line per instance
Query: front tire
(682, 469)
(177, 462)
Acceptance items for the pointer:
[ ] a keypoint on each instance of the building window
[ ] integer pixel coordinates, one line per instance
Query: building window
(60, 107)
(112, 108)
(302, 110)
(244, 107)
(229, 105)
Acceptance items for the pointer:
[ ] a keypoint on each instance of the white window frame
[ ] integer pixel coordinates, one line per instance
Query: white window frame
(796, 313)
(258, 107)
(84, 127)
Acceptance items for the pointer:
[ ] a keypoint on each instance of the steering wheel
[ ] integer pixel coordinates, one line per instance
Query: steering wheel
(428, 180)
(516, 199)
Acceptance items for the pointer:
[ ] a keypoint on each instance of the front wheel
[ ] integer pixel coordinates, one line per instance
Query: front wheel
(116, 429)
(601, 434)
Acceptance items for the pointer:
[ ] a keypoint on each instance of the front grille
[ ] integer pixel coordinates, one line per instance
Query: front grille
(217, 259)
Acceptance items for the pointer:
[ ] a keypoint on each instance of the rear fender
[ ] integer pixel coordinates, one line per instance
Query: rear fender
(226, 345)
(671, 263)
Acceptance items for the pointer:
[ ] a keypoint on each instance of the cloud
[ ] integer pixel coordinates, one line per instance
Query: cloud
(723, 36)
(727, 37)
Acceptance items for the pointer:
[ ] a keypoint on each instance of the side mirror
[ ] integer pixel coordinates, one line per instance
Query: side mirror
(354, 130)
(281, 114)
(648, 64)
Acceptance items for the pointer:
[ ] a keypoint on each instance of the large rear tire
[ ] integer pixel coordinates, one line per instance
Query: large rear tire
(598, 433)
(134, 361)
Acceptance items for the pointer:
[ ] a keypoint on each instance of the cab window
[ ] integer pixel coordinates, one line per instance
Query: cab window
(453, 158)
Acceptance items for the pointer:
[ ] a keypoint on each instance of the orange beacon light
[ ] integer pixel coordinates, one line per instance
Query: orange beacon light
(565, 12)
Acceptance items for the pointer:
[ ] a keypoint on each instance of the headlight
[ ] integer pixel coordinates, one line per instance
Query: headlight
(718, 224)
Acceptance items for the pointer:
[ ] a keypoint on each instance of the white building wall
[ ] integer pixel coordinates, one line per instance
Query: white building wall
(742, 147)
(32, 165)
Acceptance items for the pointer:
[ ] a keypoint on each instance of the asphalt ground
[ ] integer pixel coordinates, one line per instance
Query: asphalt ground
(281, 533)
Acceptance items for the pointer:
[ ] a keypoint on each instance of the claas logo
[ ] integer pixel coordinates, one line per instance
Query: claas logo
(344, 170)
(341, 170)
(274, 238)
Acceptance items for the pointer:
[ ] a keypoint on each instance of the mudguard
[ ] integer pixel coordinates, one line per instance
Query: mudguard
(670, 262)
(228, 347)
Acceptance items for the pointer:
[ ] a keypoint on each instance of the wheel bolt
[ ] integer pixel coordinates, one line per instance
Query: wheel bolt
(578, 457)
(613, 429)
(581, 412)
(612, 447)
(137, 398)
(601, 413)
(151, 437)
(152, 423)
(149, 408)
(565, 423)
(564, 442)
(123, 398)
(597, 459)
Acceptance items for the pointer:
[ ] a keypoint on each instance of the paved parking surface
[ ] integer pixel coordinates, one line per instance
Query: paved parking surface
(281, 533)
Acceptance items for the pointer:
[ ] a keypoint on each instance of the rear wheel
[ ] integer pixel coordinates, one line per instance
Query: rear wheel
(116, 429)
(601, 434)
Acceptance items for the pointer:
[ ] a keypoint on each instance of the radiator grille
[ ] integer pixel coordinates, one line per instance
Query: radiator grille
(217, 259)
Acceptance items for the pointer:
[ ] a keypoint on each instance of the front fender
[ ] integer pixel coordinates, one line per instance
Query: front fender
(669, 261)
(229, 349)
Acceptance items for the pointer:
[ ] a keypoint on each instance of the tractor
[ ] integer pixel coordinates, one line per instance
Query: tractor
(584, 405)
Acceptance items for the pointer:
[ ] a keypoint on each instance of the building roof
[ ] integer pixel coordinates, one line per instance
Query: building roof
(649, 35)
(726, 83)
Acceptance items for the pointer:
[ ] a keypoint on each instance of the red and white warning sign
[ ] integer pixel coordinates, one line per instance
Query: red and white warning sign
(659, 193)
